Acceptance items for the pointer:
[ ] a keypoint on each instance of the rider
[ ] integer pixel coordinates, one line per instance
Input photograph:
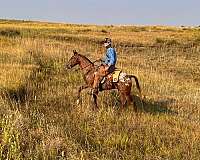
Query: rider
(107, 66)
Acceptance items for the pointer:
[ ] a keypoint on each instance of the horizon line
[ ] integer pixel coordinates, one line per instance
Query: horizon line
(77, 23)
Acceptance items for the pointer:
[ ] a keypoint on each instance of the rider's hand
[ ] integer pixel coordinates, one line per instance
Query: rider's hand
(106, 68)
(99, 60)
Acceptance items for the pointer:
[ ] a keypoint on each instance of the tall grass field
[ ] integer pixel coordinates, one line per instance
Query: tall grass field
(39, 117)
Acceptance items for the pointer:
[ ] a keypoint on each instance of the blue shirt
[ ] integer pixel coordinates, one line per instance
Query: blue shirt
(111, 57)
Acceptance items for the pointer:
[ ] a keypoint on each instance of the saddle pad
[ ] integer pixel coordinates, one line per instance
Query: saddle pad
(116, 74)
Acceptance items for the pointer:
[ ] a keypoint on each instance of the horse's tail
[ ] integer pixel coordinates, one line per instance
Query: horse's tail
(137, 84)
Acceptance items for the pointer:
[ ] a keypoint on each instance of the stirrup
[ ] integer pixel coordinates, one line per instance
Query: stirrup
(103, 80)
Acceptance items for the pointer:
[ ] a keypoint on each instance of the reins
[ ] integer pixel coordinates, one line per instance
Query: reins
(88, 65)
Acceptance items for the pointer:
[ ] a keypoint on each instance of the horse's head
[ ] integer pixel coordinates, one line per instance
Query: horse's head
(74, 60)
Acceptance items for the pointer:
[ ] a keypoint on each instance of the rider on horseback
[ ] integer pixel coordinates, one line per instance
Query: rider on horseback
(108, 65)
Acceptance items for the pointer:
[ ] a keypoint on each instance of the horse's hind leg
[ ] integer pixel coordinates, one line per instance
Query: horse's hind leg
(123, 100)
(131, 101)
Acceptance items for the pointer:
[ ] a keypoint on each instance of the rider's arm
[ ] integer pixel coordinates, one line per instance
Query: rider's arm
(112, 56)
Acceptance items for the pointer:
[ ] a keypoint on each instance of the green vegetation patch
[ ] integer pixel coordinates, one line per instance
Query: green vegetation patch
(10, 32)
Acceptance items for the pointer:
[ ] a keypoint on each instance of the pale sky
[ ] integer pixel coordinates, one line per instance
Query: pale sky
(128, 12)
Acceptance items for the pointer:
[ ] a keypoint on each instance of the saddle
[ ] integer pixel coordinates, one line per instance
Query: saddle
(113, 77)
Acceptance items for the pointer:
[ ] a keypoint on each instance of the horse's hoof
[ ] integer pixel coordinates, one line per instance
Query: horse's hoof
(95, 109)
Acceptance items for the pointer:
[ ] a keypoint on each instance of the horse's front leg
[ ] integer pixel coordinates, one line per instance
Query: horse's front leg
(80, 88)
(94, 97)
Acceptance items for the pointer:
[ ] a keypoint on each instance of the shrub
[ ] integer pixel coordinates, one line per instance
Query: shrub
(9, 33)
(104, 31)
(160, 41)
(166, 42)
(172, 42)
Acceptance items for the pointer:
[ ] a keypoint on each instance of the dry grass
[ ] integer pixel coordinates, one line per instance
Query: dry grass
(39, 117)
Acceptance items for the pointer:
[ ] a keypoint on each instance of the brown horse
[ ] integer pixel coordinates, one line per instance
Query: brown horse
(88, 69)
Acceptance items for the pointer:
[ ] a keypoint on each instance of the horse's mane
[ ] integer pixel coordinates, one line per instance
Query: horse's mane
(84, 57)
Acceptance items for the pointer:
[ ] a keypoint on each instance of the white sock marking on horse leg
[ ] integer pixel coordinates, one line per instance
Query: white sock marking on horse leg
(78, 101)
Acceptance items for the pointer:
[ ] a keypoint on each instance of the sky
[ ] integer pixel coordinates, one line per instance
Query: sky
(105, 12)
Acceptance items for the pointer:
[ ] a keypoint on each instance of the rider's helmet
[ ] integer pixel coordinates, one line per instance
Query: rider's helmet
(107, 42)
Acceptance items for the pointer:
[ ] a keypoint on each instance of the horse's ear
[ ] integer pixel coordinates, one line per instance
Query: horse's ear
(75, 52)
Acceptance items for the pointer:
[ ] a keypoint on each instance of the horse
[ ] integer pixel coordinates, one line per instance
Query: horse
(88, 70)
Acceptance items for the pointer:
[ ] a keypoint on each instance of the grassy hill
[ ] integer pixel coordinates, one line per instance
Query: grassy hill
(39, 118)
